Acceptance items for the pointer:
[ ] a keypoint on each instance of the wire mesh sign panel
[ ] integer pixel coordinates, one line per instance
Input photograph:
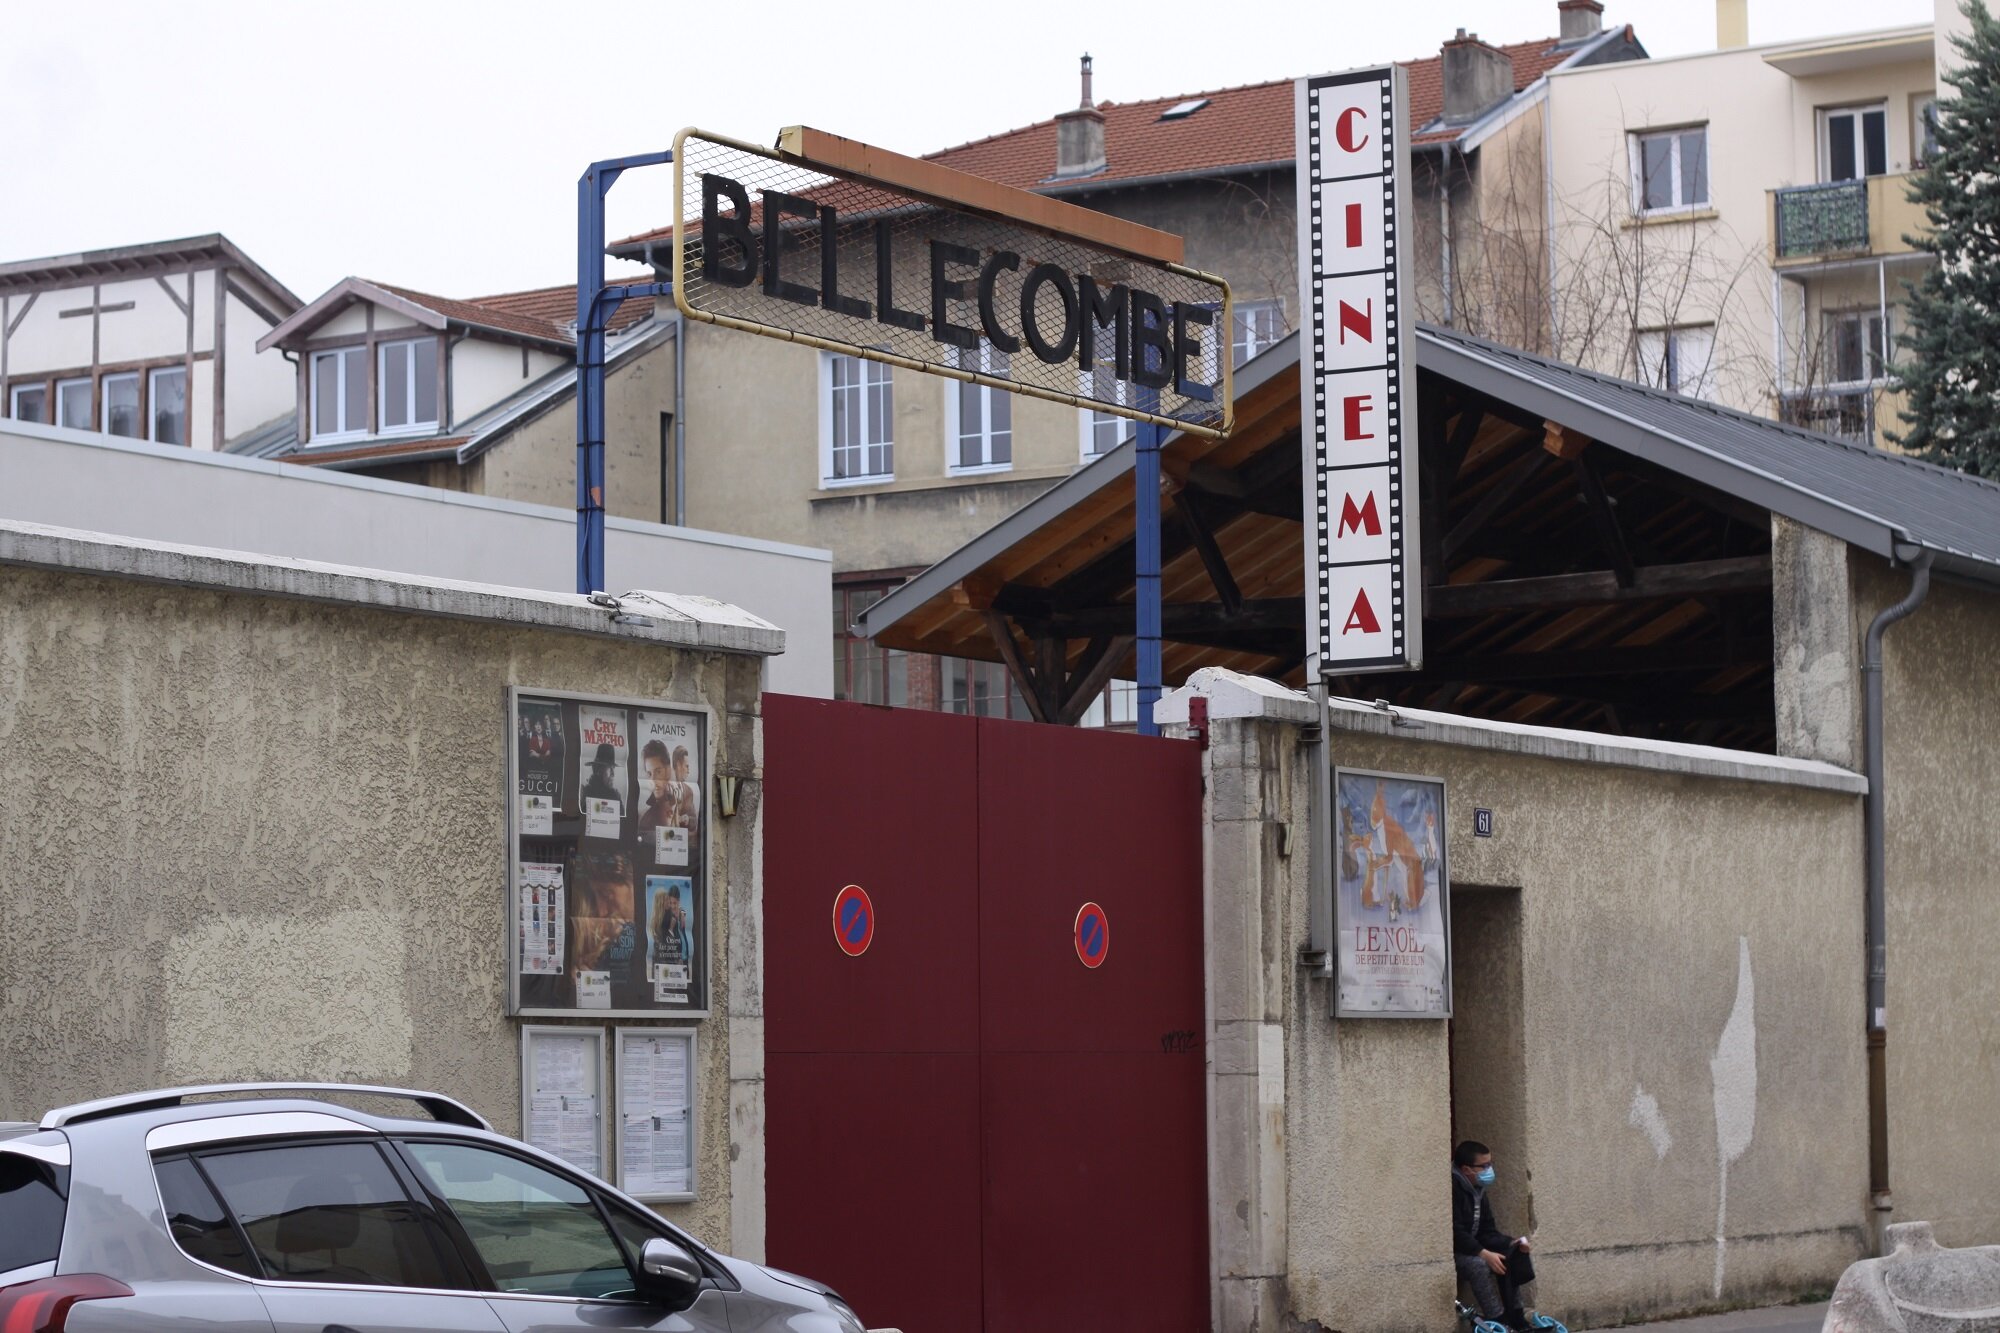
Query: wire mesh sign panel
(962, 277)
(1357, 380)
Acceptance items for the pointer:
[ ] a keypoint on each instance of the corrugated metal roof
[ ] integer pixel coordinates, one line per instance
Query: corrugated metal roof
(1865, 496)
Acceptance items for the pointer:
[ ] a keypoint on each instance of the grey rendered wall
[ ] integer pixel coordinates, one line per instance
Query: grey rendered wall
(1641, 895)
(1941, 754)
(257, 838)
(82, 480)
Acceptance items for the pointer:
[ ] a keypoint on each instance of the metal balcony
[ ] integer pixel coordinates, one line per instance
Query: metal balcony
(1817, 220)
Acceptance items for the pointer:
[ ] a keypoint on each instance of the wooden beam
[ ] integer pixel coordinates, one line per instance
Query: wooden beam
(1093, 672)
(1603, 517)
(1049, 658)
(1184, 618)
(1563, 442)
(1736, 574)
(1188, 505)
(1017, 666)
(976, 591)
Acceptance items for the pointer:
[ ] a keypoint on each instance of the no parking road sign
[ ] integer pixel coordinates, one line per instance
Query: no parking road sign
(1093, 935)
(853, 920)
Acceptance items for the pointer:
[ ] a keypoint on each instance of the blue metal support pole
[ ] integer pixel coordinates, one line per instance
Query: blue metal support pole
(591, 317)
(1146, 560)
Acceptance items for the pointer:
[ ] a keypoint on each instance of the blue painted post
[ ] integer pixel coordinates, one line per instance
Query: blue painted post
(1146, 560)
(591, 316)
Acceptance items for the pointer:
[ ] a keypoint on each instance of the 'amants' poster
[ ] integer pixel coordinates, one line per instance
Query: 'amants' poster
(669, 787)
(1392, 914)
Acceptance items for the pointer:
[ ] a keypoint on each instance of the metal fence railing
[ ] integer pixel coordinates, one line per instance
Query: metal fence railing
(1822, 219)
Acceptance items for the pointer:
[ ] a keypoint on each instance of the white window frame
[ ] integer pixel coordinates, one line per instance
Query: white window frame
(152, 402)
(1871, 348)
(987, 360)
(1245, 318)
(14, 400)
(1638, 141)
(347, 431)
(1857, 111)
(1087, 417)
(104, 384)
(56, 408)
(1920, 104)
(1703, 386)
(887, 440)
(407, 348)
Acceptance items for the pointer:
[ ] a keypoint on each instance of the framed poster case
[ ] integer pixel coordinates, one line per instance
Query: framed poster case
(655, 1113)
(609, 906)
(1391, 954)
(562, 1093)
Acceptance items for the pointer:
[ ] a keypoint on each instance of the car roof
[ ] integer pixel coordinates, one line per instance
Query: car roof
(172, 1105)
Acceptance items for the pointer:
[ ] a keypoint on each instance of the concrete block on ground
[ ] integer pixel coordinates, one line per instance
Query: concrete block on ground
(1919, 1287)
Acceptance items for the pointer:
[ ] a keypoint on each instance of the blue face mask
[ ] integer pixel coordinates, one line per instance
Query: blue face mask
(1485, 1176)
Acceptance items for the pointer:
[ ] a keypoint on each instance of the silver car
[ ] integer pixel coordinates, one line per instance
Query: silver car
(277, 1211)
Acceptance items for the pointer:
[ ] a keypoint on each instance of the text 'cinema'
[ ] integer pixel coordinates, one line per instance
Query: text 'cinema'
(1156, 342)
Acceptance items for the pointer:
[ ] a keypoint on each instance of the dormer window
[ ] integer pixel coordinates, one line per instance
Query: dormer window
(340, 393)
(409, 382)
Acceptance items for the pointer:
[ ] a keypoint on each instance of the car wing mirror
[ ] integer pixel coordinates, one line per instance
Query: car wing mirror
(668, 1274)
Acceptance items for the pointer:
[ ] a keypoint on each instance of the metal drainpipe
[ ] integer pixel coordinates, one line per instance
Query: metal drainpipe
(1878, 970)
(1444, 233)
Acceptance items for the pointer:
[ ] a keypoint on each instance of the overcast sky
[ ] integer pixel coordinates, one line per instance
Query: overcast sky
(436, 143)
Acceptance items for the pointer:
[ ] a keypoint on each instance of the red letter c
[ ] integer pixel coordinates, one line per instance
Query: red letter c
(1343, 130)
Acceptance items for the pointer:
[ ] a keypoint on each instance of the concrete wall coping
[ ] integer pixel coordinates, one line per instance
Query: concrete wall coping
(676, 619)
(1231, 694)
(323, 477)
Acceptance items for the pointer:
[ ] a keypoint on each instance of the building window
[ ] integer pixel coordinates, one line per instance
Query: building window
(30, 403)
(857, 420)
(340, 393)
(1854, 142)
(166, 397)
(979, 427)
(1670, 170)
(982, 689)
(73, 404)
(1118, 706)
(409, 385)
(1854, 347)
(1923, 128)
(862, 671)
(1679, 360)
(1103, 431)
(1253, 326)
(121, 406)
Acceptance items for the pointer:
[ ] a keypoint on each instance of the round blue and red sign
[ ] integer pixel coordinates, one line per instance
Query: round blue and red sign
(853, 920)
(1093, 935)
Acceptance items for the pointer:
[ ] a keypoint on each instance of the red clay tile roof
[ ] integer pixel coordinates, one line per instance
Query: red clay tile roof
(557, 306)
(481, 315)
(1246, 126)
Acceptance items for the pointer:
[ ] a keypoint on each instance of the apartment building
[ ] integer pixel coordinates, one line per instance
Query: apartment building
(1732, 224)
(893, 470)
(151, 342)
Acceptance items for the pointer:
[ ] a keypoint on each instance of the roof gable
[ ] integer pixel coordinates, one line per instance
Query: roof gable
(428, 311)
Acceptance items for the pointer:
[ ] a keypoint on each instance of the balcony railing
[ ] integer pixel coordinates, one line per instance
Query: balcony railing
(1845, 414)
(1822, 219)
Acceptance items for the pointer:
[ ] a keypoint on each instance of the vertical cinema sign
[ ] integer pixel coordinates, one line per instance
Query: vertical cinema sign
(1364, 610)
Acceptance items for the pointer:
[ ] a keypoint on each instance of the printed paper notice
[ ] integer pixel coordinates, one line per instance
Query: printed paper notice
(541, 916)
(593, 990)
(654, 1152)
(601, 817)
(565, 1125)
(538, 816)
(670, 846)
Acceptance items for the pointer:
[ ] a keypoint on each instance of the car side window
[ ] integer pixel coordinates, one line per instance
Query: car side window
(331, 1212)
(196, 1218)
(538, 1232)
(31, 1210)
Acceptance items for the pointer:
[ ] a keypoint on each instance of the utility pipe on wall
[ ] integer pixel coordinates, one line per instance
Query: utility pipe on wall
(1874, 836)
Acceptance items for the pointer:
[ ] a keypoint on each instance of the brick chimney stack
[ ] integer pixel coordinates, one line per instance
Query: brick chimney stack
(1581, 20)
(1080, 134)
(1477, 77)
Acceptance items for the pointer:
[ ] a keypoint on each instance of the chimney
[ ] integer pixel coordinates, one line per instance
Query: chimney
(1581, 20)
(1477, 77)
(1080, 135)
(1732, 24)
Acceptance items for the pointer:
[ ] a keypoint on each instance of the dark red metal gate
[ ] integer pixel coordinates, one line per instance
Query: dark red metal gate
(969, 1131)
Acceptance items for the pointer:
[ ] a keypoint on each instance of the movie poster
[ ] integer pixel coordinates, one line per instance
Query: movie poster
(669, 787)
(603, 914)
(603, 749)
(541, 918)
(1392, 917)
(672, 931)
(538, 765)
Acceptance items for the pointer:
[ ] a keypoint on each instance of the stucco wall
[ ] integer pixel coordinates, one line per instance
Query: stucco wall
(1941, 756)
(257, 838)
(482, 373)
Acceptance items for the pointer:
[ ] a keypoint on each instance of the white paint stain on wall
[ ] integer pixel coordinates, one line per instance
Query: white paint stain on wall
(1646, 1118)
(1734, 1071)
(274, 997)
